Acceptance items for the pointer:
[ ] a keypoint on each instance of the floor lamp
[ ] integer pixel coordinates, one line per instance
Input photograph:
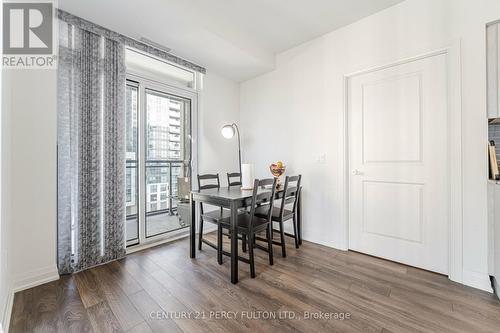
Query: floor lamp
(228, 132)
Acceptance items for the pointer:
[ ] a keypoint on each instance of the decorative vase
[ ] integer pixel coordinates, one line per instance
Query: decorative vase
(277, 169)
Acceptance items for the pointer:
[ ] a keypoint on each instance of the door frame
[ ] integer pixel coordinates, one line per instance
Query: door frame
(454, 157)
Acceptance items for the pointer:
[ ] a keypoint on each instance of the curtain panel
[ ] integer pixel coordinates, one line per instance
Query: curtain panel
(91, 149)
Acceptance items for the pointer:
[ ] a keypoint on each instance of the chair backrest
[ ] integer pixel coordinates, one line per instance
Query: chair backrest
(211, 184)
(206, 178)
(291, 193)
(263, 194)
(236, 182)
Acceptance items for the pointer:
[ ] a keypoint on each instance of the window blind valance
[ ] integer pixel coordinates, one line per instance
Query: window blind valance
(99, 30)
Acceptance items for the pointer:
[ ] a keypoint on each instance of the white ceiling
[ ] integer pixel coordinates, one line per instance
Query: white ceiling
(235, 38)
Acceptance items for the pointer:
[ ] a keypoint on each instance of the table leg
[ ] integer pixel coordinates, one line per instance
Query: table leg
(192, 229)
(234, 244)
(299, 218)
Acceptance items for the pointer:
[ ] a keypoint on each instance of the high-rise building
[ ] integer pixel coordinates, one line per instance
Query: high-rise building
(164, 150)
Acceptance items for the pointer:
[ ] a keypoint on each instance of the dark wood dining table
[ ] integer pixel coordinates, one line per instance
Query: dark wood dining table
(232, 198)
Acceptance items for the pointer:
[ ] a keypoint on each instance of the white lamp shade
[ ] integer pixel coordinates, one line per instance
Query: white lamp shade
(227, 131)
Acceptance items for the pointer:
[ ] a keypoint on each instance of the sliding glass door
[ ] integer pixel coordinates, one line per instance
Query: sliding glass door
(158, 153)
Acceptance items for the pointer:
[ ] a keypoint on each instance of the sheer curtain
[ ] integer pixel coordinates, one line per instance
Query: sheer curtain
(91, 155)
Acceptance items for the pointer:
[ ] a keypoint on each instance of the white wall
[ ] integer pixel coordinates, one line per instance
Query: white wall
(302, 101)
(5, 271)
(32, 175)
(219, 105)
(467, 20)
(6, 225)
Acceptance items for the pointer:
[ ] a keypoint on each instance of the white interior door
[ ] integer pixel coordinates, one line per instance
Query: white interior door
(398, 160)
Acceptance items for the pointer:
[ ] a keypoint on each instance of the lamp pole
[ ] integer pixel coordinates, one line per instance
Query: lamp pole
(239, 146)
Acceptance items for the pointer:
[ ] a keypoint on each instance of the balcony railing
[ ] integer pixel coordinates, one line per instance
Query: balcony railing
(160, 174)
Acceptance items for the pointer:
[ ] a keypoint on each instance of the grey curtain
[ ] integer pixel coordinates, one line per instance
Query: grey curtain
(91, 155)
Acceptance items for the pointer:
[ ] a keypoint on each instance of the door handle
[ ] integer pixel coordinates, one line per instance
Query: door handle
(356, 172)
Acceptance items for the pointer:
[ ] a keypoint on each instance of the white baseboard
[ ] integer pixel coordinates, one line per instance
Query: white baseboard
(7, 311)
(35, 278)
(477, 280)
(325, 243)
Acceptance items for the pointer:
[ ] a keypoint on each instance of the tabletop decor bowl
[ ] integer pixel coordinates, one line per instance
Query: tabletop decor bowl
(277, 169)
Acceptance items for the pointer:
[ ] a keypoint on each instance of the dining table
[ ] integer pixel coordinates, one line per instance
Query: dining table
(232, 198)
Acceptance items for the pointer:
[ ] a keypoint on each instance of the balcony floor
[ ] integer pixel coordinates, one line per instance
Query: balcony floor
(155, 224)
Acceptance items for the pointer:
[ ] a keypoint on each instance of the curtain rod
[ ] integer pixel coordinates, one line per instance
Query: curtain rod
(100, 30)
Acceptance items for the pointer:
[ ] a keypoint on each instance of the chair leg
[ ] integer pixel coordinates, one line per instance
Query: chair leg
(200, 234)
(295, 234)
(219, 244)
(282, 235)
(244, 243)
(250, 256)
(270, 243)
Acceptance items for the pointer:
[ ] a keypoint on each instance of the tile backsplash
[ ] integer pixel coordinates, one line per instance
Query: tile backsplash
(494, 134)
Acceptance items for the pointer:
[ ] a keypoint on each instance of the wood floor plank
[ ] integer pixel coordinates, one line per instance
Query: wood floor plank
(141, 328)
(196, 301)
(89, 289)
(123, 309)
(72, 313)
(441, 320)
(21, 319)
(165, 299)
(102, 319)
(44, 311)
(153, 314)
(475, 316)
(228, 296)
(127, 282)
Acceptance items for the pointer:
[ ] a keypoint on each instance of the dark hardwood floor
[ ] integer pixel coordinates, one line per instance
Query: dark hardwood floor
(156, 289)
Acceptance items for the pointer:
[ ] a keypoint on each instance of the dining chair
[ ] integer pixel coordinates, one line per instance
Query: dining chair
(236, 182)
(249, 224)
(290, 195)
(205, 182)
